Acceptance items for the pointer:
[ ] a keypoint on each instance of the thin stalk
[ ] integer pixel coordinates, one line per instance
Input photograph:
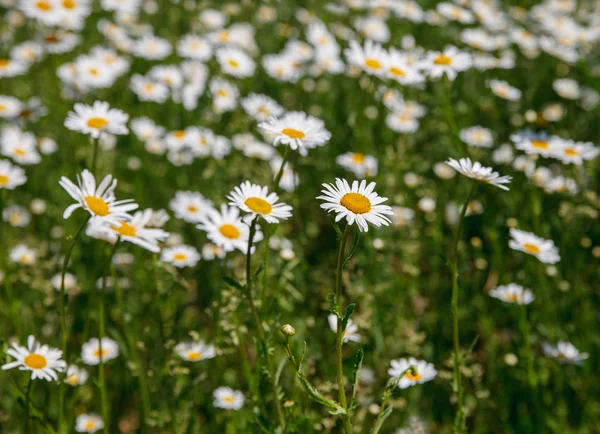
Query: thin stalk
(94, 155)
(63, 318)
(258, 325)
(379, 421)
(528, 353)
(102, 331)
(340, 333)
(27, 393)
(459, 421)
(461, 148)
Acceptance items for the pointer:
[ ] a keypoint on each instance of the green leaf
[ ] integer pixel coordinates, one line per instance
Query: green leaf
(379, 422)
(347, 314)
(259, 270)
(316, 395)
(357, 366)
(234, 283)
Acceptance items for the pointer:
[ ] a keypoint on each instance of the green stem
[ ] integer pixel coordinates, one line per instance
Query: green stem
(94, 155)
(27, 393)
(461, 148)
(340, 333)
(459, 421)
(258, 325)
(63, 319)
(379, 421)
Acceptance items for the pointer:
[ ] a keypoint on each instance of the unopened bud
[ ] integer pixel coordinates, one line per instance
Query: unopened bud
(288, 330)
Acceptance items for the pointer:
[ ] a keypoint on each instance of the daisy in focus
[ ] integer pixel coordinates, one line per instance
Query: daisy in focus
(423, 372)
(565, 352)
(226, 229)
(351, 332)
(298, 130)
(97, 119)
(257, 201)
(357, 203)
(479, 173)
(512, 293)
(91, 353)
(543, 249)
(195, 351)
(227, 398)
(43, 361)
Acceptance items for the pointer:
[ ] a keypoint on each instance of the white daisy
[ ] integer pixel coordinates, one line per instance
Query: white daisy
(351, 332)
(565, 352)
(43, 361)
(512, 293)
(536, 143)
(194, 47)
(211, 251)
(16, 216)
(147, 89)
(477, 136)
(89, 423)
(398, 67)
(227, 398)
(261, 107)
(504, 90)
(151, 47)
(226, 229)
(195, 351)
(91, 354)
(20, 146)
(97, 119)
(450, 62)
(190, 206)
(180, 256)
(543, 249)
(100, 202)
(235, 62)
(478, 172)
(225, 95)
(424, 371)
(571, 152)
(402, 121)
(370, 58)
(76, 376)
(145, 129)
(256, 200)
(363, 166)
(10, 107)
(23, 255)
(297, 130)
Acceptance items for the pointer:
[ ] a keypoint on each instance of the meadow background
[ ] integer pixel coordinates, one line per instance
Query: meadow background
(398, 276)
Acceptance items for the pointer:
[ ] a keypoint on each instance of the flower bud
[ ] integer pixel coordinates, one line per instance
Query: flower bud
(288, 330)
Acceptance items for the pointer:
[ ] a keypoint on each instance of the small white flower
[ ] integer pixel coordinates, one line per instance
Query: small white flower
(477, 136)
(190, 206)
(96, 119)
(88, 423)
(227, 398)
(512, 293)
(297, 130)
(195, 351)
(424, 372)
(478, 172)
(43, 361)
(226, 229)
(76, 376)
(565, 352)
(180, 256)
(91, 353)
(543, 249)
(256, 200)
(351, 332)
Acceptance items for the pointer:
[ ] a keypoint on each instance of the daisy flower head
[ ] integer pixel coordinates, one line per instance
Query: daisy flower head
(539, 143)
(504, 90)
(363, 166)
(76, 376)
(571, 152)
(226, 229)
(543, 249)
(257, 201)
(16, 216)
(512, 293)
(476, 171)
(399, 68)
(261, 107)
(235, 62)
(91, 353)
(43, 361)
(10, 106)
(151, 47)
(23, 255)
(423, 372)
(565, 353)
(298, 130)
(194, 47)
(20, 146)
(99, 200)
(11, 176)
(180, 256)
(89, 423)
(227, 398)
(449, 62)
(195, 351)
(97, 119)
(351, 332)
(190, 206)
(371, 58)
(357, 203)
(477, 136)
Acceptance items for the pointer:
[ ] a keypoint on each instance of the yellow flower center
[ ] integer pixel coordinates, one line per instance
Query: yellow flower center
(72, 380)
(294, 134)
(230, 231)
(222, 93)
(571, 152)
(540, 144)
(258, 205)
(90, 425)
(180, 256)
(194, 356)
(4, 63)
(442, 60)
(97, 205)
(513, 298)
(415, 377)
(373, 63)
(69, 4)
(397, 71)
(356, 202)
(43, 5)
(531, 248)
(233, 63)
(228, 399)
(192, 208)
(96, 123)
(2, 108)
(263, 110)
(125, 230)
(223, 36)
(3, 180)
(35, 361)
(179, 134)
(93, 71)
(100, 354)
(358, 158)
(20, 152)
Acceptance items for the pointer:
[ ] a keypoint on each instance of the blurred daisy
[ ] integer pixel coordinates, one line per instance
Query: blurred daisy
(180, 256)
(91, 354)
(543, 249)
(43, 361)
(424, 372)
(147, 89)
(567, 88)
(88, 423)
(99, 201)
(370, 58)
(226, 229)
(194, 47)
(402, 121)
(363, 166)
(479, 173)
(235, 62)
(76, 376)
(211, 251)
(227, 398)
(18, 145)
(225, 95)
(297, 130)
(357, 203)
(151, 47)
(536, 143)
(256, 200)
(23, 255)
(190, 206)
(9, 106)
(195, 351)
(571, 152)
(16, 216)
(450, 62)
(351, 332)
(504, 90)
(565, 352)
(399, 68)
(261, 107)
(477, 136)
(512, 293)
(145, 129)
(97, 119)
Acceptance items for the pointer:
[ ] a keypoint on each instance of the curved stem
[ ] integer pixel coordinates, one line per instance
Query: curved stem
(26, 422)
(459, 421)
(340, 333)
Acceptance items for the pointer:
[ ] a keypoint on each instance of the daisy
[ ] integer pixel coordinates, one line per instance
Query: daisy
(402, 216)
(370, 58)
(211, 251)
(99, 201)
(88, 423)
(283, 67)
(20, 146)
(12, 67)
(450, 62)
(180, 256)
(97, 119)
(357, 203)
(424, 372)
(145, 129)
(9, 106)
(565, 352)
(571, 152)
(398, 68)
(567, 88)
(227, 398)
(190, 206)
(363, 166)
(43, 361)
(455, 13)
(23, 255)
(479, 173)
(543, 249)
(477, 136)
(151, 47)
(512, 293)
(91, 354)
(225, 95)
(76, 376)
(46, 12)
(261, 107)
(297, 130)
(235, 62)
(536, 143)
(194, 47)
(373, 28)
(195, 351)
(226, 229)
(402, 121)
(504, 90)
(351, 332)
(257, 201)
(16, 216)
(147, 89)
